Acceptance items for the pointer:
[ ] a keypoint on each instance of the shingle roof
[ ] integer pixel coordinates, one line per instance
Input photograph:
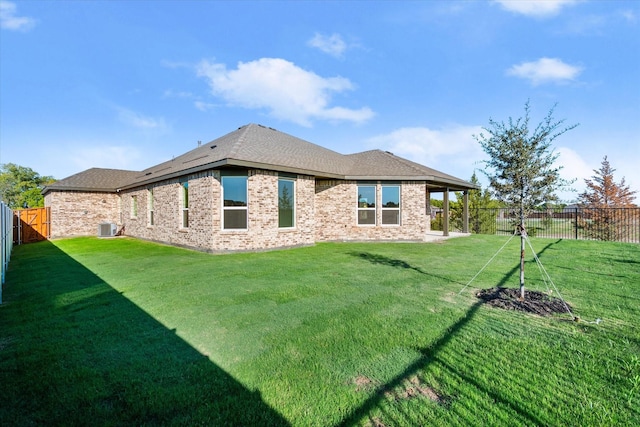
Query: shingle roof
(262, 147)
(383, 165)
(94, 179)
(251, 145)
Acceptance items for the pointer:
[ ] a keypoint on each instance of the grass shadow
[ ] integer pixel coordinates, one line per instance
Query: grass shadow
(429, 354)
(397, 263)
(76, 352)
(516, 269)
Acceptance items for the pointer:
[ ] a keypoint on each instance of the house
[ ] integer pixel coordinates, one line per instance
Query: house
(252, 189)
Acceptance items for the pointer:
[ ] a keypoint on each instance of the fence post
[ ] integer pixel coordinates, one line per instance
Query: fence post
(575, 221)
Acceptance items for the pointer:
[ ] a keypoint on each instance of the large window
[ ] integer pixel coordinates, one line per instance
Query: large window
(150, 205)
(185, 204)
(366, 205)
(234, 206)
(390, 205)
(286, 203)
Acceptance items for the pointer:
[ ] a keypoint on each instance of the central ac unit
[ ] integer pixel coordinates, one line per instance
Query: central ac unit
(107, 229)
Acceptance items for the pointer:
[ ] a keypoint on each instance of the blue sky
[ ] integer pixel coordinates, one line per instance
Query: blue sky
(129, 84)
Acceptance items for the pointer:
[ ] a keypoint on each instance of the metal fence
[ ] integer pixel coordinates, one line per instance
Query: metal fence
(612, 224)
(6, 241)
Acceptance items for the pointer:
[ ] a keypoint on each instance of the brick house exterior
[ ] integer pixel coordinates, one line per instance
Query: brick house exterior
(254, 189)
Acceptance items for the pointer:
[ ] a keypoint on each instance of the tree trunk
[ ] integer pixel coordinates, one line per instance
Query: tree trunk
(523, 236)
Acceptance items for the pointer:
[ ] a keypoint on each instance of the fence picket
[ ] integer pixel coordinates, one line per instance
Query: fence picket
(580, 223)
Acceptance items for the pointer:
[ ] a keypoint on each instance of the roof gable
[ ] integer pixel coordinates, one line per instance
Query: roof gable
(378, 164)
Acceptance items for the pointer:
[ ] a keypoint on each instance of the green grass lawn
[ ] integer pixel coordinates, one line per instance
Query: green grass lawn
(125, 332)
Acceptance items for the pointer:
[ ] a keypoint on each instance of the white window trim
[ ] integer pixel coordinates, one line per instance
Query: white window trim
(182, 208)
(134, 206)
(399, 208)
(150, 209)
(373, 209)
(232, 208)
(292, 180)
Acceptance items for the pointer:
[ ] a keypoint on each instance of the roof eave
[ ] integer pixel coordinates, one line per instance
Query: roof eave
(76, 188)
(287, 169)
(230, 163)
(177, 174)
(432, 181)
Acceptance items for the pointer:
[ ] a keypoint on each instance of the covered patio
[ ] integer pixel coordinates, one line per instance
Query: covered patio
(442, 186)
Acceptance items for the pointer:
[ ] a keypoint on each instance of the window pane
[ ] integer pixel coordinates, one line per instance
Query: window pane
(391, 216)
(367, 217)
(390, 196)
(366, 196)
(235, 219)
(185, 218)
(235, 190)
(185, 195)
(286, 203)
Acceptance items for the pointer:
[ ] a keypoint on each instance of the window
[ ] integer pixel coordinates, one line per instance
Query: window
(185, 204)
(134, 206)
(150, 205)
(366, 204)
(390, 205)
(286, 203)
(234, 205)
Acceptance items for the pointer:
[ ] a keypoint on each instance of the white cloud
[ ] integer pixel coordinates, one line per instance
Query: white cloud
(574, 167)
(332, 45)
(170, 93)
(629, 16)
(140, 121)
(203, 106)
(535, 8)
(545, 70)
(10, 21)
(287, 91)
(451, 149)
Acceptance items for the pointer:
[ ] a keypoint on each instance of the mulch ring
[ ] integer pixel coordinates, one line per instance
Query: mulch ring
(534, 302)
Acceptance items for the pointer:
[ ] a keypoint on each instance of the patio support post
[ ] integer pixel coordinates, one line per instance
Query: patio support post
(465, 211)
(445, 213)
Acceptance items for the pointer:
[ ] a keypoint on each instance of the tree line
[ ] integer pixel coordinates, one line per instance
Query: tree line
(21, 187)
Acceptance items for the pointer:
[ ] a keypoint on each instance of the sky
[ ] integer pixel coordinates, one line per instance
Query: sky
(130, 84)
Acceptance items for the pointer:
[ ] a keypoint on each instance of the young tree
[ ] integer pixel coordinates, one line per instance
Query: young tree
(598, 200)
(521, 167)
(21, 186)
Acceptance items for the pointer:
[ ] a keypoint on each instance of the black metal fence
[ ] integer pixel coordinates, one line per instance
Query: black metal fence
(612, 224)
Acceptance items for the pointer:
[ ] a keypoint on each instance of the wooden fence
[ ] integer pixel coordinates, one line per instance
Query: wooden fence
(31, 225)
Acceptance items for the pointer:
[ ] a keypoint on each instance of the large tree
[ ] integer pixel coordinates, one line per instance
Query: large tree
(599, 201)
(21, 186)
(521, 167)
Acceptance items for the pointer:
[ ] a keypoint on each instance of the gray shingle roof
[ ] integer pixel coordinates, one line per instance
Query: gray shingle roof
(94, 179)
(262, 147)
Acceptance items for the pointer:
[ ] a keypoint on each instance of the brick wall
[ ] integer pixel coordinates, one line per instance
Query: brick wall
(325, 210)
(336, 213)
(167, 212)
(76, 213)
(205, 212)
